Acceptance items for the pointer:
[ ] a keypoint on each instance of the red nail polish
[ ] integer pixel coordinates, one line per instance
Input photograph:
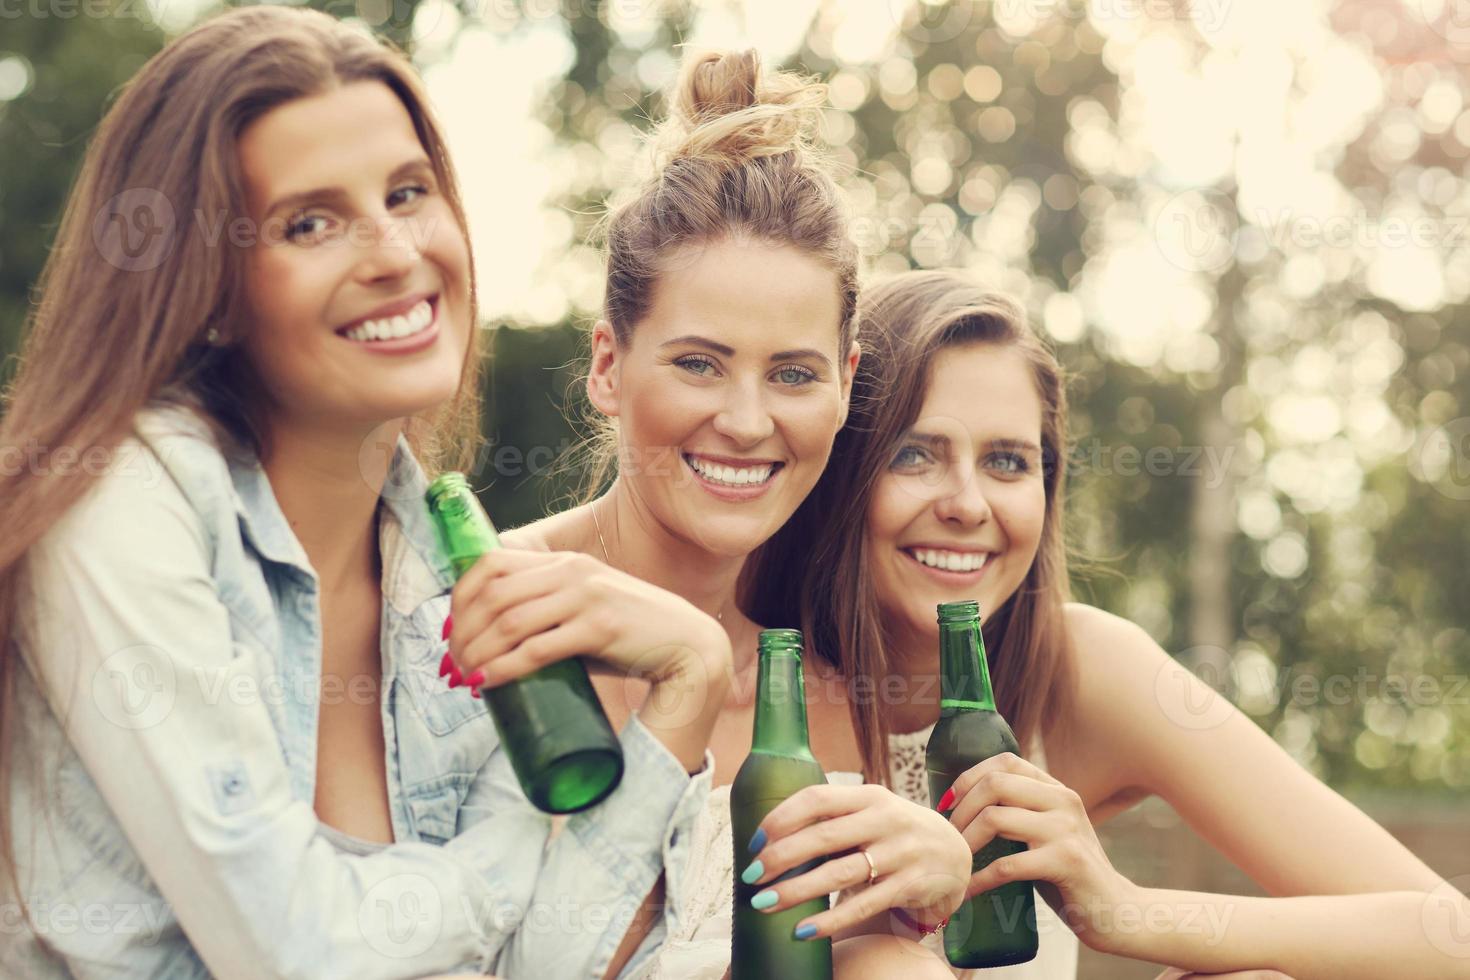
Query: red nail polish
(455, 679)
(946, 801)
(474, 692)
(475, 679)
(448, 626)
(445, 664)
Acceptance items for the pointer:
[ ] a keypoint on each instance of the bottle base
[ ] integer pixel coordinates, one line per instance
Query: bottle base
(993, 960)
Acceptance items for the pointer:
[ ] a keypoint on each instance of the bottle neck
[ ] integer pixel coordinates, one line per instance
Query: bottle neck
(464, 531)
(963, 676)
(780, 706)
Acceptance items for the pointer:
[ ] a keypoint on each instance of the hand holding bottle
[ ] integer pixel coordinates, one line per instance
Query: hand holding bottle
(514, 612)
(1006, 796)
(918, 861)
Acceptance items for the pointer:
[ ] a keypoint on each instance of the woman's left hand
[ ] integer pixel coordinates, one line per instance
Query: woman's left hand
(1006, 796)
(919, 862)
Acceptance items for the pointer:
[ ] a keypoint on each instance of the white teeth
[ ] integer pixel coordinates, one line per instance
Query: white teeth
(735, 477)
(954, 561)
(391, 328)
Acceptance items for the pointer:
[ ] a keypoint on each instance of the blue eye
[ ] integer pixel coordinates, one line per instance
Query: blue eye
(1012, 464)
(697, 365)
(910, 457)
(795, 375)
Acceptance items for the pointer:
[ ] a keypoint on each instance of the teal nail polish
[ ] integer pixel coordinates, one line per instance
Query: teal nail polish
(750, 874)
(758, 841)
(763, 900)
(806, 931)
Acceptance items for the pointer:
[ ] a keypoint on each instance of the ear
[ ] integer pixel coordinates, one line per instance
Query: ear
(603, 377)
(849, 370)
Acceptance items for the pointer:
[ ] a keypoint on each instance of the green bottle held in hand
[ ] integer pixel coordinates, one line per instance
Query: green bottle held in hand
(563, 750)
(764, 946)
(998, 927)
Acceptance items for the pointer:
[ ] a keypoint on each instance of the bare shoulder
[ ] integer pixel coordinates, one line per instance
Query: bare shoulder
(1117, 671)
(1110, 655)
(557, 532)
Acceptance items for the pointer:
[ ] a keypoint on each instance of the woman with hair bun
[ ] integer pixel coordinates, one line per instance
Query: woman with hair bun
(722, 369)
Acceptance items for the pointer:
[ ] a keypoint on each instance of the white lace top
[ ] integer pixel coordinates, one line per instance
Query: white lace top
(699, 947)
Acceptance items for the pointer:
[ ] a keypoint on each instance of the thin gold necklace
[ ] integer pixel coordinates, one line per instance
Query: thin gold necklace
(719, 616)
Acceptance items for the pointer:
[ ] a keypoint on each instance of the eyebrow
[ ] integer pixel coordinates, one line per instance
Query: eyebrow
(1014, 445)
(335, 195)
(726, 350)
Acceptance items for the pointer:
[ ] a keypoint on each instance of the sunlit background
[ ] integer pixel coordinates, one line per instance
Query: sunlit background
(1244, 224)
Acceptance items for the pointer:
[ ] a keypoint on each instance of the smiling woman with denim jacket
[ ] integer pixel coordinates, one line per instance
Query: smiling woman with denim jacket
(225, 744)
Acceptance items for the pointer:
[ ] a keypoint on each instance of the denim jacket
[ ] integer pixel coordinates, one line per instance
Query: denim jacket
(165, 762)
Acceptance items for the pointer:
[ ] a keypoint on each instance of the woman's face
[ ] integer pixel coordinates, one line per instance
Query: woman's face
(352, 243)
(730, 392)
(958, 513)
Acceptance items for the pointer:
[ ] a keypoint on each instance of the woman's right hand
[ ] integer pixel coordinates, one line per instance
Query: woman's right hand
(514, 612)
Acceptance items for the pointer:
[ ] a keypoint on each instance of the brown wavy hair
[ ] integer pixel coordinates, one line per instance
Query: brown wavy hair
(108, 338)
(814, 573)
(736, 159)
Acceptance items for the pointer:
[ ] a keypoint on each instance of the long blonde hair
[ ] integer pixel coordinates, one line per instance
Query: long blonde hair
(736, 158)
(115, 331)
(814, 573)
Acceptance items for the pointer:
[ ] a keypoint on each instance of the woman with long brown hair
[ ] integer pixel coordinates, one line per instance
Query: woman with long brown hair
(226, 746)
(947, 484)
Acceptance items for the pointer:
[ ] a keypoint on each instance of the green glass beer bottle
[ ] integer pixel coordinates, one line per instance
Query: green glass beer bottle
(998, 927)
(763, 946)
(562, 748)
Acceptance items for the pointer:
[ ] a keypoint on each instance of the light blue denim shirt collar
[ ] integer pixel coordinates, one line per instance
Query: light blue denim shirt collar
(413, 568)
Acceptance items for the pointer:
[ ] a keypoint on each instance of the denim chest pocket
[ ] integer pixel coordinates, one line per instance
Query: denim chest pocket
(444, 738)
(441, 708)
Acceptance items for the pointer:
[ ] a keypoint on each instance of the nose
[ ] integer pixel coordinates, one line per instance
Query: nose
(744, 418)
(389, 251)
(963, 503)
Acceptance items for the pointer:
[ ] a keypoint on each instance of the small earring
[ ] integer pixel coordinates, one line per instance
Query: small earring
(211, 336)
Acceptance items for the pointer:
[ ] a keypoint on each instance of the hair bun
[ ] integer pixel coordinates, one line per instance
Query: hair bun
(725, 109)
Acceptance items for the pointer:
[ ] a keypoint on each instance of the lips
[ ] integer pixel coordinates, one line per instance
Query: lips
(731, 472)
(732, 480)
(949, 561)
(386, 321)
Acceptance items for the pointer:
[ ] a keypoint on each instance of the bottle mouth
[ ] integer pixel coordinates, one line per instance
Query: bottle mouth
(780, 641)
(958, 612)
(449, 494)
